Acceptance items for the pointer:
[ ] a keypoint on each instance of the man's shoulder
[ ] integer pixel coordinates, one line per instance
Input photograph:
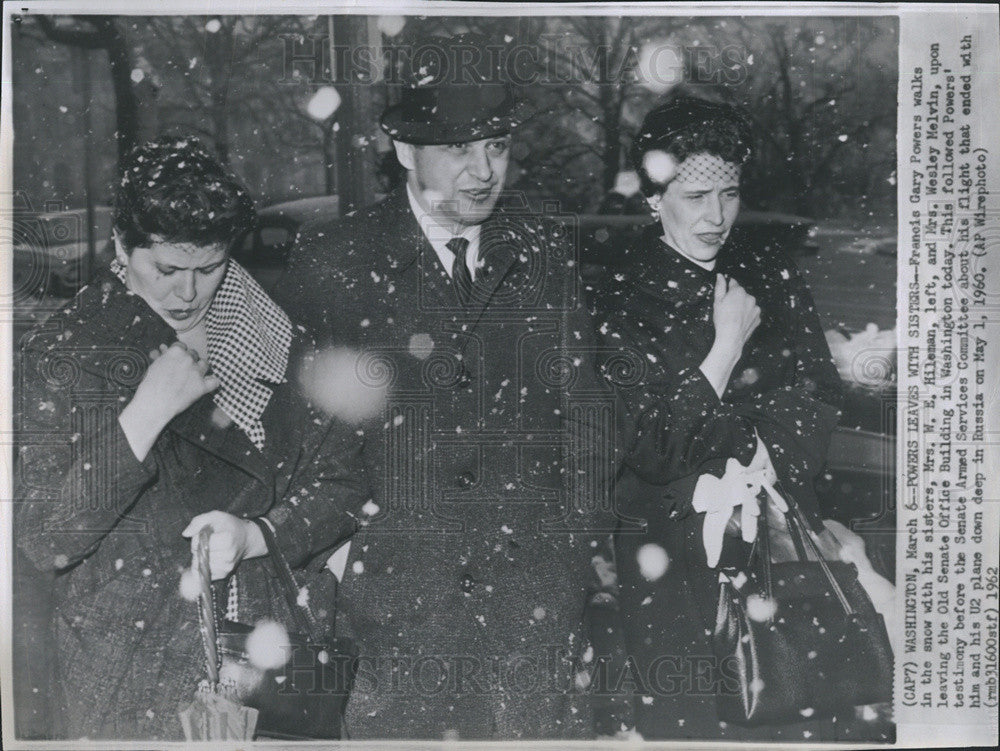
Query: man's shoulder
(357, 230)
(550, 226)
(333, 269)
(551, 238)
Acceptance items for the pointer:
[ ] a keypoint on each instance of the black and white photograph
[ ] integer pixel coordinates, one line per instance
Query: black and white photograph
(461, 372)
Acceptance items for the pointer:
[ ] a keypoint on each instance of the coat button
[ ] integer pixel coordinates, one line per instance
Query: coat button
(467, 583)
(465, 480)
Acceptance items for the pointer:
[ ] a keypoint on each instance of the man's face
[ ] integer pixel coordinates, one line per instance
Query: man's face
(458, 182)
(698, 208)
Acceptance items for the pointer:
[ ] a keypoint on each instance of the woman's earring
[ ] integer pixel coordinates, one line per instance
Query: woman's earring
(120, 253)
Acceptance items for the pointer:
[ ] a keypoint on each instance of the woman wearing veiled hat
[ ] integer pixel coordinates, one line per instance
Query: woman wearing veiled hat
(736, 384)
(161, 400)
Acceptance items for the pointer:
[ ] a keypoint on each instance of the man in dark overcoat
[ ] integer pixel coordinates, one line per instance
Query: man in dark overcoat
(465, 589)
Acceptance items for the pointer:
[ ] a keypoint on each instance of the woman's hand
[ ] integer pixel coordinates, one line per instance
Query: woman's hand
(232, 540)
(735, 316)
(177, 378)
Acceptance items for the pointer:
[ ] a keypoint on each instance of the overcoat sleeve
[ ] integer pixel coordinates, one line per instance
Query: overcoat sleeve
(796, 421)
(596, 456)
(320, 263)
(328, 486)
(76, 475)
(323, 503)
(682, 429)
(677, 421)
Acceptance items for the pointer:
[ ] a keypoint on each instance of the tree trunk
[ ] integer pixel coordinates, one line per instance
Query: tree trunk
(618, 41)
(329, 159)
(611, 156)
(218, 61)
(798, 180)
(220, 124)
(126, 106)
(356, 139)
(108, 37)
(81, 64)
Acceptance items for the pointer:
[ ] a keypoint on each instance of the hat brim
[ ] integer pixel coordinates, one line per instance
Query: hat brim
(430, 133)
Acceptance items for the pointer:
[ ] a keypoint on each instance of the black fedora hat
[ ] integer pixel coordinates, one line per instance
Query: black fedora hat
(453, 91)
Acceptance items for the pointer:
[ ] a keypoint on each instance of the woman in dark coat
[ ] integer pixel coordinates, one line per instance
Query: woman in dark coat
(734, 366)
(159, 400)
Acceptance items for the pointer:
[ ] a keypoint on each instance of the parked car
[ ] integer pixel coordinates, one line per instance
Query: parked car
(51, 249)
(264, 249)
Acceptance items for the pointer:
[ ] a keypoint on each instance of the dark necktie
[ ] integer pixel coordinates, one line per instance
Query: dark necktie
(460, 275)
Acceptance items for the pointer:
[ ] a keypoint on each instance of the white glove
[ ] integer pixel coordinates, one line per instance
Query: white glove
(739, 486)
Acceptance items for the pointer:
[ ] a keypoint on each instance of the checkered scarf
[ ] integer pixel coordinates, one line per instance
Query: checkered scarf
(248, 341)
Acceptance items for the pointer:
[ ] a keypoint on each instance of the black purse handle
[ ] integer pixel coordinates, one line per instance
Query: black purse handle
(799, 531)
(306, 620)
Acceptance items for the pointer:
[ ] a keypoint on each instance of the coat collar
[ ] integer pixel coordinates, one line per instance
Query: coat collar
(205, 425)
(105, 317)
(657, 269)
(498, 244)
(402, 232)
(496, 252)
(406, 249)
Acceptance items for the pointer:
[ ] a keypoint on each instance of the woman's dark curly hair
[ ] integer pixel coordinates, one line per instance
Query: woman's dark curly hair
(175, 189)
(688, 125)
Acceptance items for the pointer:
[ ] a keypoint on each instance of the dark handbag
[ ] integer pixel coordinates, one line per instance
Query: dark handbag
(797, 640)
(305, 698)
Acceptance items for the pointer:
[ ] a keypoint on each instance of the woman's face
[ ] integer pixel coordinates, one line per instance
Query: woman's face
(177, 280)
(699, 206)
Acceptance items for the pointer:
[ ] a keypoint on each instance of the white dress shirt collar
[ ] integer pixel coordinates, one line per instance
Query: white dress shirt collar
(438, 236)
